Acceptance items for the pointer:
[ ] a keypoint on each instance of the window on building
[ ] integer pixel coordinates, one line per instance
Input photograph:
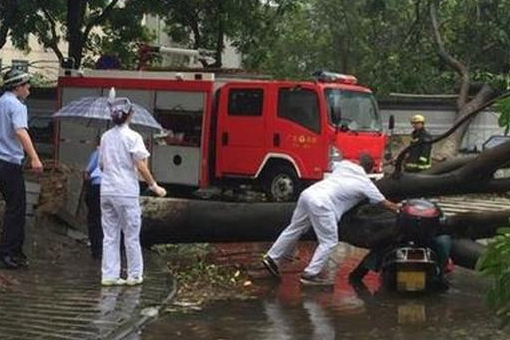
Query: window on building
(245, 102)
(300, 106)
(20, 64)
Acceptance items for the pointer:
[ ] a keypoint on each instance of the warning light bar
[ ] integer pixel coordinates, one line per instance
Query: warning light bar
(332, 77)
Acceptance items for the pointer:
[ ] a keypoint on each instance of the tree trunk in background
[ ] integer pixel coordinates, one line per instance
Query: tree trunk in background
(465, 106)
(452, 144)
(8, 17)
(75, 15)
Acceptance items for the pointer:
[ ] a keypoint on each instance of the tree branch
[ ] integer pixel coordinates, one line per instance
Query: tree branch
(468, 112)
(414, 28)
(53, 41)
(450, 60)
(411, 185)
(192, 19)
(9, 18)
(484, 166)
(221, 34)
(99, 18)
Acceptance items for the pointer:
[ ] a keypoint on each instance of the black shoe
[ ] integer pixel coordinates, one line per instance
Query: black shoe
(442, 284)
(8, 262)
(315, 281)
(21, 259)
(271, 266)
(20, 256)
(357, 275)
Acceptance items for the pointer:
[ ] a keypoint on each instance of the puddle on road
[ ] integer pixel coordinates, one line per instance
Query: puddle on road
(286, 310)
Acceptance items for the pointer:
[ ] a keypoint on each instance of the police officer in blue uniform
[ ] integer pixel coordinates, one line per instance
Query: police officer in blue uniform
(14, 141)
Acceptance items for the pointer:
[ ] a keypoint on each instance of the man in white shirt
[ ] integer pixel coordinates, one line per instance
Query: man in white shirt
(321, 206)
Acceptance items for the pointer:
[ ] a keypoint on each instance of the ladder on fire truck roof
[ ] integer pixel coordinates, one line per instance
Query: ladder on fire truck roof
(204, 76)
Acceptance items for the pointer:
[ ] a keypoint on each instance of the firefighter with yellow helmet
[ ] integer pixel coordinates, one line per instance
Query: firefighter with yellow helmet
(418, 158)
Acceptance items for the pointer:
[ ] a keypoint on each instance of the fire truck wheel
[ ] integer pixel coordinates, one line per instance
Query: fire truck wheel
(281, 183)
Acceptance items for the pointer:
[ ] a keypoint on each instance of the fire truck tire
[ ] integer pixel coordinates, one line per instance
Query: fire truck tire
(281, 183)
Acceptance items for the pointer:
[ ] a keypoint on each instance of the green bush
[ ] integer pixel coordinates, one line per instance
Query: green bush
(495, 263)
(502, 106)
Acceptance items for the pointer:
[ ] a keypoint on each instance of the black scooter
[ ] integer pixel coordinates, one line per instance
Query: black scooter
(409, 264)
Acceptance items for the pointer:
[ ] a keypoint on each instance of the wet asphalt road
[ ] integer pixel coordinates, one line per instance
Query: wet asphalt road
(60, 297)
(285, 310)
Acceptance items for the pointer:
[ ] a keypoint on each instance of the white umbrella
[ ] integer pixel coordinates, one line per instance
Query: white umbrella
(93, 110)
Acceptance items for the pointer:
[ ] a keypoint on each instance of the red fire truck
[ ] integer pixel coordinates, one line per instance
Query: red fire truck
(277, 134)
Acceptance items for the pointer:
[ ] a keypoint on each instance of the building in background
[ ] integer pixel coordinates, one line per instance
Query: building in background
(41, 60)
(44, 61)
(231, 59)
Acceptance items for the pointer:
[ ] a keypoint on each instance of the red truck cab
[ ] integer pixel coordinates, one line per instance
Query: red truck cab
(354, 118)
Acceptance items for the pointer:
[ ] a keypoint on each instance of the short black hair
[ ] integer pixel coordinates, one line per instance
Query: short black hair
(121, 118)
(367, 162)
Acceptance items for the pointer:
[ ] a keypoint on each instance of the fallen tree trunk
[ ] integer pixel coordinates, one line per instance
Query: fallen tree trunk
(183, 220)
(475, 225)
(449, 165)
(466, 252)
(475, 176)
(180, 220)
(174, 220)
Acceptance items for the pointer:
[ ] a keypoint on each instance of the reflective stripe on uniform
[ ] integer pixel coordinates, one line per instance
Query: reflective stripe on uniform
(417, 166)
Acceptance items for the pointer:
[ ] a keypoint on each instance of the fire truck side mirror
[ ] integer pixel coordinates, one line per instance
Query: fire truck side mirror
(391, 122)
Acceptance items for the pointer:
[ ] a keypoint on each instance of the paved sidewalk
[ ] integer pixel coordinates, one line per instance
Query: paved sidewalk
(59, 296)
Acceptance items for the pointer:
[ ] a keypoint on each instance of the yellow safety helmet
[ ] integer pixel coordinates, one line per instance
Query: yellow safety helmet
(417, 119)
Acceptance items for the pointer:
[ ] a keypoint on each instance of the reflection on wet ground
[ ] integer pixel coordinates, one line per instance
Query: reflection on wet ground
(285, 310)
(59, 296)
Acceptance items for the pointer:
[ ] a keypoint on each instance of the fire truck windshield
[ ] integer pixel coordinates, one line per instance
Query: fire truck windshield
(357, 110)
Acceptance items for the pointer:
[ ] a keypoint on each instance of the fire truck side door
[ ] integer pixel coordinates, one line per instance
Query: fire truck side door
(240, 142)
(300, 122)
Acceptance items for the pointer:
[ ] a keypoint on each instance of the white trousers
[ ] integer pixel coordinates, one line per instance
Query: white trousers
(121, 214)
(308, 212)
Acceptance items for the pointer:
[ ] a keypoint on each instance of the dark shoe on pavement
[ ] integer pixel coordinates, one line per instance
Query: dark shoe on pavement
(21, 259)
(20, 256)
(357, 275)
(442, 284)
(271, 266)
(8, 262)
(315, 281)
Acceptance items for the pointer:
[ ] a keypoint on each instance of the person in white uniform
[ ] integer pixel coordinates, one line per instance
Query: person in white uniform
(122, 155)
(321, 206)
